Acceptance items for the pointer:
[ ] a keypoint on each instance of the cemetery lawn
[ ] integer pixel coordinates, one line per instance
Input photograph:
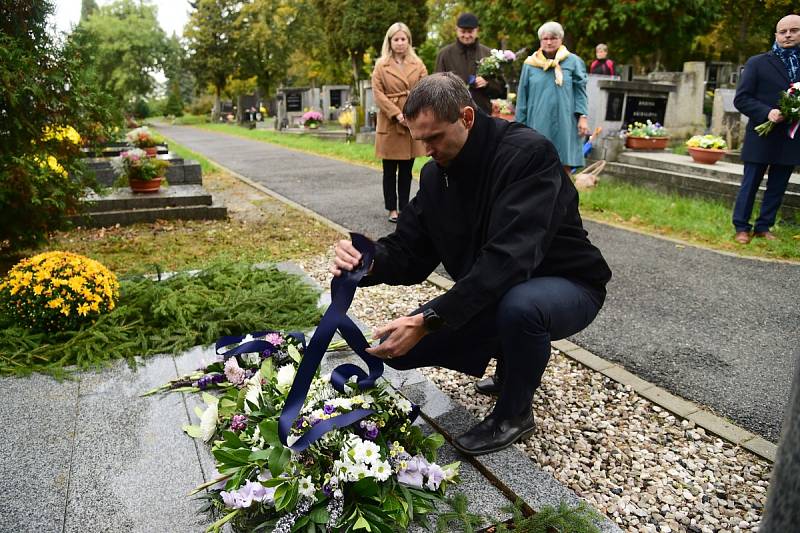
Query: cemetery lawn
(698, 221)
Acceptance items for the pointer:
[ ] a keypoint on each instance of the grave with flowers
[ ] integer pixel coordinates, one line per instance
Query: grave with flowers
(242, 436)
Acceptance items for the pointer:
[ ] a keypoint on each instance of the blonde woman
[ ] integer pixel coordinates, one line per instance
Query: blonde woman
(395, 74)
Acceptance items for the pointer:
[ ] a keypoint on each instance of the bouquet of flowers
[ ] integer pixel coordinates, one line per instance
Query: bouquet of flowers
(57, 291)
(137, 165)
(789, 106)
(143, 138)
(312, 119)
(375, 474)
(491, 66)
(502, 106)
(709, 142)
(639, 129)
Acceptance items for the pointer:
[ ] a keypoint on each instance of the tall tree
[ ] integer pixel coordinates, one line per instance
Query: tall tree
(87, 8)
(267, 32)
(127, 46)
(654, 33)
(212, 48)
(351, 27)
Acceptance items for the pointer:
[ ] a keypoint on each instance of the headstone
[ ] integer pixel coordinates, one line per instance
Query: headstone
(644, 108)
(726, 119)
(293, 102)
(333, 98)
(684, 115)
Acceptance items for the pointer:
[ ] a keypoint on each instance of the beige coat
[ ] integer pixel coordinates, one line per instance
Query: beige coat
(390, 86)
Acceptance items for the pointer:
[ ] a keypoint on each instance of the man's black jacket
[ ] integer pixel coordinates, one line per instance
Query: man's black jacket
(503, 212)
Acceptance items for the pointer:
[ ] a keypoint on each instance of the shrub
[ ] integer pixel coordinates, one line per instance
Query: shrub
(46, 88)
(58, 291)
(201, 105)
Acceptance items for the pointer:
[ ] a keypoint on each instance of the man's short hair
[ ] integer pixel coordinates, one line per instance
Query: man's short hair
(444, 93)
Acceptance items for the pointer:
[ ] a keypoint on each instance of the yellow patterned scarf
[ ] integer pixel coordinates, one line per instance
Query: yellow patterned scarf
(537, 59)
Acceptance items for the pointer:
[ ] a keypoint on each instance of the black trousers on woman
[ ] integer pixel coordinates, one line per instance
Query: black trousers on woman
(396, 183)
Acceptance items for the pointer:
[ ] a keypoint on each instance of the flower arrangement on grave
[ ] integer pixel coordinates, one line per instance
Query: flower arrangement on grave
(142, 137)
(377, 471)
(646, 130)
(58, 291)
(789, 106)
(492, 65)
(346, 119)
(312, 119)
(707, 142)
(503, 107)
(136, 165)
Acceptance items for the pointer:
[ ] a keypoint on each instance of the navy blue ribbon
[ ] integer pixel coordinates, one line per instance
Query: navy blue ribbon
(343, 289)
(254, 346)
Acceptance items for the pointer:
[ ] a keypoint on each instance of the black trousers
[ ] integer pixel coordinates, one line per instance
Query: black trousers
(396, 183)
(520, 327)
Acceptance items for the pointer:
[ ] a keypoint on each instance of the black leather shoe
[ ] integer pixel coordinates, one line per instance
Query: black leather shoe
(489, 386)
(494, 434)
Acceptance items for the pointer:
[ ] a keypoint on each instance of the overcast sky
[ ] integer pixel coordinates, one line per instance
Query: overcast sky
(172, 14)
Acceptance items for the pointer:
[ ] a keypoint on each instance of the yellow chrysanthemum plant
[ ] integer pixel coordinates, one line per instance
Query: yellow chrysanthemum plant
(58, 291)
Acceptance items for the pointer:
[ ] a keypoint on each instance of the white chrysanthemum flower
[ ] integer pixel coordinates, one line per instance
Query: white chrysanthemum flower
(366, 452)
(381, 470)
(305, 487)
(285, 378)
(403, 404)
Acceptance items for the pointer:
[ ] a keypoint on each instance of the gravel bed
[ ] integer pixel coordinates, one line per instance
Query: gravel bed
(646, 469)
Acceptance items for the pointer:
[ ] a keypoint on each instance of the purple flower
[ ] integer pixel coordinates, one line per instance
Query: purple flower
(233, 372)
(412, 475)
(328, 409)
(274, 338)
(299, 423)
(370, 429)
(238, 422)
(327, 490)
(509, 55)
(435, 476)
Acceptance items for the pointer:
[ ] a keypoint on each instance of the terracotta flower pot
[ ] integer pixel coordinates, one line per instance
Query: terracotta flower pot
(646, 143)
(152, 151)
(706, 156)
(152, 185)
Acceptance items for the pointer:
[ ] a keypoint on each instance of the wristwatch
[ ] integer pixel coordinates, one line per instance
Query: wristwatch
(431, 320)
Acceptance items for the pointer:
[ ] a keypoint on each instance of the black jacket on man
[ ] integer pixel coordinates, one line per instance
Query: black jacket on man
(504, 211)
(763, 79)
(462, 60)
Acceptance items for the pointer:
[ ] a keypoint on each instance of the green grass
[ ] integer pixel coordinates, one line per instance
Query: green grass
(699, 221)
(185, 153)
(165, 317)
(363, 154)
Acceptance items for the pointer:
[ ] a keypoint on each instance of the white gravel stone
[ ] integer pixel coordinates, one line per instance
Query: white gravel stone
(611, 446)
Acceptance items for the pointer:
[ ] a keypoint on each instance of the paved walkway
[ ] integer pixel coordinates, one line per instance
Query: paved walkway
(713, 328)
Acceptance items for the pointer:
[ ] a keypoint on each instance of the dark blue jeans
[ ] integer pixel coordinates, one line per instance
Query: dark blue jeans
(773, 196)
(520, 327)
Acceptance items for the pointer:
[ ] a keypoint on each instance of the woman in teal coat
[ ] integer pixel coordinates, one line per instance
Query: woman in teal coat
(551, 97)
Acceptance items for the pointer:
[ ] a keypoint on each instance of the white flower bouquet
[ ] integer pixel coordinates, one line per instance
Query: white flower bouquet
(377, 474)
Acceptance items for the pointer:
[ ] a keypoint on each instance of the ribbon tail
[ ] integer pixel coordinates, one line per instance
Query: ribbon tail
(793, 128)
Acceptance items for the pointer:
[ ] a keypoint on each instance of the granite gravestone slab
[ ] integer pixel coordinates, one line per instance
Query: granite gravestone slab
(644, 108)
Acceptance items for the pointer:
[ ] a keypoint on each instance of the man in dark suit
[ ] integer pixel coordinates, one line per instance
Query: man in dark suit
(764, 77)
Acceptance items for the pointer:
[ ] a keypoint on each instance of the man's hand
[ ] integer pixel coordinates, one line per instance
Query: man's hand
(401, 334)
(583, 126)
(775, 115)
(346, 257)
(480, 83)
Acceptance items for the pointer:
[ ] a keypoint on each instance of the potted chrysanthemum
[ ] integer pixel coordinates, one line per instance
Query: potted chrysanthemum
(143, 173)
(706, 149)
(145, 139)
(646, 136)
(312, 119)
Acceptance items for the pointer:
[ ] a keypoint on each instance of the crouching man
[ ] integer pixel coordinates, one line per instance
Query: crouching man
(497, 210)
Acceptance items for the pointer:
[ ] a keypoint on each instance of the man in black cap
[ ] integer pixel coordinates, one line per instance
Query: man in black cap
(461, 58)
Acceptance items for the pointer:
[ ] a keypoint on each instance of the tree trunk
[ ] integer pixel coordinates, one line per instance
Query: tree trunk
(215, 112)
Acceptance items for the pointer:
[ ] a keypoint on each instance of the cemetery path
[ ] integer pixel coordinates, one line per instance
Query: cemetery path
(717, 329)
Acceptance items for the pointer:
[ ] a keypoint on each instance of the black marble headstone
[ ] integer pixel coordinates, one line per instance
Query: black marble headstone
(644, 108)
(294, 101)
(614, 106)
